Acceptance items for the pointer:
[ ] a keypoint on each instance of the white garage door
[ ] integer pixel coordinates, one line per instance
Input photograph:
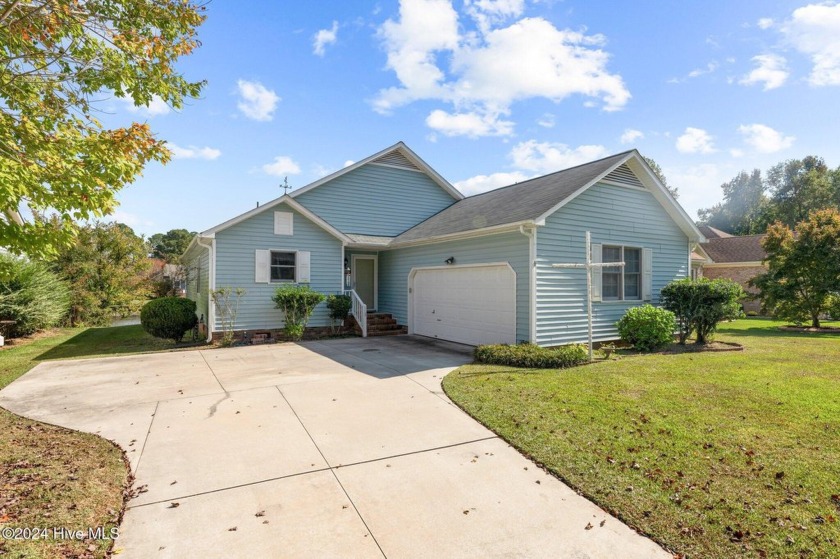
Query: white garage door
(471, 305)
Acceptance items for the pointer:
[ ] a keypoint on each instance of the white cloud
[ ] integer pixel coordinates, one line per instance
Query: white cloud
(547, 120)
(765, 23)
(472, 125)
(699, 184)
(629, 136)
(348, 162)
(695, 140)
(132, 220)
(547, 157)
(814, 30)
(323, 38)
(735, 152)
(156, 107)
(764, 139)
(771, 70)
(193, 152)
(696, 73)
(256, 101)
(493, 68)
(483, 183)
(281, 167)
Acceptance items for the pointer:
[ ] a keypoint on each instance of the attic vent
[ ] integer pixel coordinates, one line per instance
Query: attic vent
(625, 177)
(396, 159)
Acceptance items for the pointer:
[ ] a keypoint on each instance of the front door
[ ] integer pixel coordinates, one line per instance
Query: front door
(364, 279)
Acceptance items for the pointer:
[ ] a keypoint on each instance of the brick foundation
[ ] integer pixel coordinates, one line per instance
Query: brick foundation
(274, 335)
(742, 275)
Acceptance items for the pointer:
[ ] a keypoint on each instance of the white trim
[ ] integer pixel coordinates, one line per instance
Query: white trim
(211, 283)
(755, 264)
(289, 201)
(504, 228)
(531, 233)
(402, 148)
(343, 287)
(375, 258)
(413, 272)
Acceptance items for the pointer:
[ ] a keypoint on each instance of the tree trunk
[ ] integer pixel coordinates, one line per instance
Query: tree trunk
(815, 320)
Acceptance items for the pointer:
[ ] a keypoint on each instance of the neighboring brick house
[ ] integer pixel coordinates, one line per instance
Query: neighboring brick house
(727, 256)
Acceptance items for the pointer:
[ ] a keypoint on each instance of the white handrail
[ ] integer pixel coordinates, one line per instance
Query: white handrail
(359, 310)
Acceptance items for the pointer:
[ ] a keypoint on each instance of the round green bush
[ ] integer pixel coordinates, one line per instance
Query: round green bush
(168, 317)
(647, 327)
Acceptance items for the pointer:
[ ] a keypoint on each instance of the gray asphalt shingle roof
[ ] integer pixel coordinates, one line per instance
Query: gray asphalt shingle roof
(522, 201)
(736, 249)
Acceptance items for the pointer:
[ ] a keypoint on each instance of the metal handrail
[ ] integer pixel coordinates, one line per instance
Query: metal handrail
(359, 310)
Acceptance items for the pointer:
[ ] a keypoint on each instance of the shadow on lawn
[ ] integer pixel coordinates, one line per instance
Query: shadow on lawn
(763, 329)
(112, 340)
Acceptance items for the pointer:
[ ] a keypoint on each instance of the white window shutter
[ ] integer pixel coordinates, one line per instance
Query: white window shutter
(262, 267)
(302, 267)
(596, 272)
(283, 223)
(647, 274)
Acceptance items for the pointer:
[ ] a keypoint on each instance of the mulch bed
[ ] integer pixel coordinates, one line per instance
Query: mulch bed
(709, 347)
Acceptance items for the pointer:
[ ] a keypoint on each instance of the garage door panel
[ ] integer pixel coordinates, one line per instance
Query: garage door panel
(473, 305)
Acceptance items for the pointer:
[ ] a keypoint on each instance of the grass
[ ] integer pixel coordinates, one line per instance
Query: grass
(55, 477)
(713, 455)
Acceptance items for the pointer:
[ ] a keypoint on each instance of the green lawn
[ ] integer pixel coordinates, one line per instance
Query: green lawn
(732, 454)
(51, 476)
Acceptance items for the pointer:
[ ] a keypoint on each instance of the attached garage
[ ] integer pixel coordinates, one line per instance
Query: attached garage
(466, 304)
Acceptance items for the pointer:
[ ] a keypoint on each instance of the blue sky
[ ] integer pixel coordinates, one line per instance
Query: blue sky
(488, 92)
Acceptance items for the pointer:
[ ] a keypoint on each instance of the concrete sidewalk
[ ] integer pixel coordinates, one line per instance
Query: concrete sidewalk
(342, 448)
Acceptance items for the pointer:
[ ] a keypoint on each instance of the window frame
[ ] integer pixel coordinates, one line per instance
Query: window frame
(272, 266)
(621, 272)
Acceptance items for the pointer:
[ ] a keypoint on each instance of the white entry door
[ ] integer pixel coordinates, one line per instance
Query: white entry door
(466, 304)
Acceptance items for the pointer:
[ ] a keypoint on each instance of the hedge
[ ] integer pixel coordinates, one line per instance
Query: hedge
(532, 356)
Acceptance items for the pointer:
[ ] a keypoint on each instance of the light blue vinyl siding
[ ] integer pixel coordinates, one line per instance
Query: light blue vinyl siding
(614, 215)
(395, 265)
(376, 200)
(235, 264)
(197, 264)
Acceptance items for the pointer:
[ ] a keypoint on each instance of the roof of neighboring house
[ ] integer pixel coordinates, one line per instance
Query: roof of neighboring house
(528, 200)
(712, 233)
(735, 249)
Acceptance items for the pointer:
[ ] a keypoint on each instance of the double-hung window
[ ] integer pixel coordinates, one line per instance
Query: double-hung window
(282, 266)
(621, 283)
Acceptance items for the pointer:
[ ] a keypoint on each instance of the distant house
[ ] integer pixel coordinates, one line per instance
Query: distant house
(738, 258)
(402, 241)
(171, 275)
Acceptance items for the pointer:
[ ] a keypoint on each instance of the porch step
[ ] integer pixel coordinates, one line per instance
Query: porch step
(381, 324)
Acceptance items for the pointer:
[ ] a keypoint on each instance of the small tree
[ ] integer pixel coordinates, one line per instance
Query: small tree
(226, 300)
(297, 303)
(339, 307)
(647, 327)
(803, 267)
(700, 305)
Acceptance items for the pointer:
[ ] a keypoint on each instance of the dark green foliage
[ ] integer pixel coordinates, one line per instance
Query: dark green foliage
(31, 295)
(834, 307)
(532, 355)
(647, 327)
(339, 306)
(699, 305)
(297, 303)
(745, 209)
(171, 245)
(168, 317)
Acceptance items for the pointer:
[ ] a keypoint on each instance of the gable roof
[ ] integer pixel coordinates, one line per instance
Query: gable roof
(736, 249)
(398, 155)
(712, 233)
(535, 199)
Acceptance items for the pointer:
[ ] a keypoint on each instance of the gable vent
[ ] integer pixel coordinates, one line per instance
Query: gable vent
(625, 177)
(396, 159)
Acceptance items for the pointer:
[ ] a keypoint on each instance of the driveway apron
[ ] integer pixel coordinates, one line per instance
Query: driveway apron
(340, 448)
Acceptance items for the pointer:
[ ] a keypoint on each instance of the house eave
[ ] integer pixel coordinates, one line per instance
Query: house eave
(472, 233)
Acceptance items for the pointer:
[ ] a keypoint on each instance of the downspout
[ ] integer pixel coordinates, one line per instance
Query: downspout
(531, 233)
(211, 285)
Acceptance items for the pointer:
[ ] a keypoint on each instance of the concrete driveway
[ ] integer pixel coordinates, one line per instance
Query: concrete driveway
(343, 448)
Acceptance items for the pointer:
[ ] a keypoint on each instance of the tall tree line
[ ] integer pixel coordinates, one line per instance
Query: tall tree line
(787, 192)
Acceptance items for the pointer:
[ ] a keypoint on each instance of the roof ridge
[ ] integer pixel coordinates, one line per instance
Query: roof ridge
(548, 174)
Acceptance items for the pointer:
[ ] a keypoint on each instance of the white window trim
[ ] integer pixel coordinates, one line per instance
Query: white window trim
(621, 298)
(270, 266)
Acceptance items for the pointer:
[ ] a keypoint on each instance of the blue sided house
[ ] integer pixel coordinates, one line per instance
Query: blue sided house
(406, 245)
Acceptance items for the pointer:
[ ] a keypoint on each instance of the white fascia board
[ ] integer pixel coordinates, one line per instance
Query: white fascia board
(289, 201)
(541, 219)
(464, 234)
(402, 148)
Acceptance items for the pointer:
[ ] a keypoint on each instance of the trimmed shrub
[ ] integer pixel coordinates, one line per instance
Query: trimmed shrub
(297, 303)
(647, 327)
(168, 317)
(339, 306)
(532, 355)
(31, 295)
(701, 304)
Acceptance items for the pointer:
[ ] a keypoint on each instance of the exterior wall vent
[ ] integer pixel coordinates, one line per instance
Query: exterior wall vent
(396, 159)
(625, 177)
